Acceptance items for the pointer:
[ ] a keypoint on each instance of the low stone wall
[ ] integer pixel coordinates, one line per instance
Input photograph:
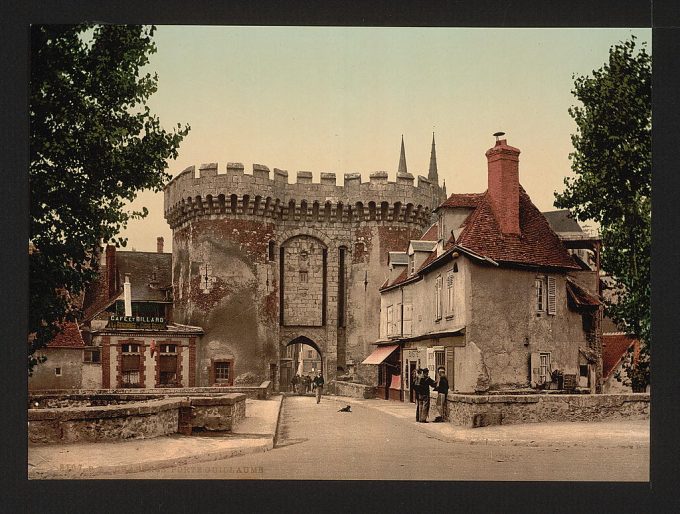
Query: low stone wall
(354, 390)
(109, 423)
(483, 410)
(218, 414)
(258, 392)
(130, 417)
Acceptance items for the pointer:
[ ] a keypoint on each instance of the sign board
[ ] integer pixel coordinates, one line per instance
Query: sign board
(137, 322)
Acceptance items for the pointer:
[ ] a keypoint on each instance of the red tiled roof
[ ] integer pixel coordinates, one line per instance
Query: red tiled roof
(537, 245)
(432, 233)
(462, 200)
(401, 278)
(614, 347)
(580, 296)
(69, 337)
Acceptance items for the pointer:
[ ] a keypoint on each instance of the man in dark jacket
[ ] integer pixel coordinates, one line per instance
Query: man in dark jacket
(423, 394)
(318, 385)
(442, 388)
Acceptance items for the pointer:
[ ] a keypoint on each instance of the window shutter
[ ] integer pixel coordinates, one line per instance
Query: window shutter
(552, 291)
(408, 313)
(534, 368)
(397, 321)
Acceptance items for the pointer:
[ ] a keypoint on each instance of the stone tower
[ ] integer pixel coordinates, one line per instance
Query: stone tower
(260, 263)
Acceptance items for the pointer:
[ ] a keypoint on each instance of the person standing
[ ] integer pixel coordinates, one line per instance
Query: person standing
(442, 389)
(424, 392)
(294, 382)
(415, 385)
(306, 382)
(318, 385)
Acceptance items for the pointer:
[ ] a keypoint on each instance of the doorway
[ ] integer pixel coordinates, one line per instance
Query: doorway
(301, 357)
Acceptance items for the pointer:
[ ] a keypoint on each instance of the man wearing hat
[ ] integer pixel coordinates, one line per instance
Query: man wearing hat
(443, 389)
(423, 394)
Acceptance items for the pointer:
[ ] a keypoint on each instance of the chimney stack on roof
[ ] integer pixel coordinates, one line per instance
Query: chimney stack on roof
(127, 295)
(503, 189)
(159, 244)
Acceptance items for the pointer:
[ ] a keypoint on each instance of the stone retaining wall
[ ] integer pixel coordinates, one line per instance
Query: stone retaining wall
(138, 420)
(483, 410)
(354, 390)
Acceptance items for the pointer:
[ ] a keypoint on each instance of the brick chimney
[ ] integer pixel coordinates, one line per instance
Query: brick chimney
(159, 244)
(503, 163)
(110, 270)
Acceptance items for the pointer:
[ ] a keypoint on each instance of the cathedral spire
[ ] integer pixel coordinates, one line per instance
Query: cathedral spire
(432, 174)
(402, 158)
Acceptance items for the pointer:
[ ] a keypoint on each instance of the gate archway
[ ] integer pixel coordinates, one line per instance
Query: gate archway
(296, 358)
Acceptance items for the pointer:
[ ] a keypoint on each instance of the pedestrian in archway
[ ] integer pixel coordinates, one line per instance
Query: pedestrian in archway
(294, 383)
(306, 383)
(318, 385)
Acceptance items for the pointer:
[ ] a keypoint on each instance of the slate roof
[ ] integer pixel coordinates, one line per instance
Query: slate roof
(537, 245)
(561, 221)
(141, 266)
(69, 337)
(420, 245)
(614, 348)
(398, 258)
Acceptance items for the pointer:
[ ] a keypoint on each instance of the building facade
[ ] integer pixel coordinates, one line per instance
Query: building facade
(491, 294)
(260, 263)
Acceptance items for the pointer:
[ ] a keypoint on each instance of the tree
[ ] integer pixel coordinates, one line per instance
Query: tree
(94, 144)
(612, 162)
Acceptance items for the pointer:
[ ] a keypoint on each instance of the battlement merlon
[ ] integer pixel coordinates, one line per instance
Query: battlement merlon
(190, 186)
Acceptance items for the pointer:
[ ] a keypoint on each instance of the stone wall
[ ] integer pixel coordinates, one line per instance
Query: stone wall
(128, 416)
(504, 409)
(70, 364)
(108, 423)
(354, 390)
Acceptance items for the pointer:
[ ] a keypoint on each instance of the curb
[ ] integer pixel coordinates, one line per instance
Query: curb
(266, 445)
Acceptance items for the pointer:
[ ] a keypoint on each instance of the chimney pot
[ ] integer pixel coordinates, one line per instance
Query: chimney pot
(159, 244)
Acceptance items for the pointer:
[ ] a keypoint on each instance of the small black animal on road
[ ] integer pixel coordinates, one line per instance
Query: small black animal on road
(346, 409)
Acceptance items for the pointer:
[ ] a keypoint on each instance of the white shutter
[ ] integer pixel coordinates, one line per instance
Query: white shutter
(397, 321)
(552, 291)
(390, 325)
(534, 368)
(408, 314)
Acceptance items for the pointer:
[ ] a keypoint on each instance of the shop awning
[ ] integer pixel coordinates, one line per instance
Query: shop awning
(380, 354)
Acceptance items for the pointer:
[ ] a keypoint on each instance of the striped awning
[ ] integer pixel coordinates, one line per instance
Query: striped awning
(380, 354)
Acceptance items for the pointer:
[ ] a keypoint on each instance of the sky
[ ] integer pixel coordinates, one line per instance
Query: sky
(339, 99)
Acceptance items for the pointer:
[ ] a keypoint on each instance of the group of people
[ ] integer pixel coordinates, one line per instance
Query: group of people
(302, 384)
(421, 384)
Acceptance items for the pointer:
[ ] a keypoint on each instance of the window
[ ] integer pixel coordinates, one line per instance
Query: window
(222, 371)
(407, 319)
(130, 365)
(544, 367)
(449, 294)
(583, 370)
(167, 365)
(310, 354)
(304, 277)
(57, 371)
(271, 251)
(438, 298)
(93, 356)
(439, 359)
(540, 295)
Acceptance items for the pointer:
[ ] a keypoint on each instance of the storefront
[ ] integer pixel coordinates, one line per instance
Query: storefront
(388, 359)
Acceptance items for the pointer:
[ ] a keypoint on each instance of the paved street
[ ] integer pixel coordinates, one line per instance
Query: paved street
(318, 442)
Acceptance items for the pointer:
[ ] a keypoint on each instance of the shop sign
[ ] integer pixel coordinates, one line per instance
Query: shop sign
(137, 322)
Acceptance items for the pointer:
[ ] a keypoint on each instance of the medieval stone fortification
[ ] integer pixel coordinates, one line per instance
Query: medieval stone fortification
(260, 263)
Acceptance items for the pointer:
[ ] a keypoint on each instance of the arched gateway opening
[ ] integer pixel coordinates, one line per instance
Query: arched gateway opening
(300, 356)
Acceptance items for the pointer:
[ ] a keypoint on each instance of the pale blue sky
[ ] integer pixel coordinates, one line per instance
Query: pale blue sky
(338, 99)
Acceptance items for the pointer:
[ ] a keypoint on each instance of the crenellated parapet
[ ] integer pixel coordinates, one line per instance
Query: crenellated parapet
(268, 194)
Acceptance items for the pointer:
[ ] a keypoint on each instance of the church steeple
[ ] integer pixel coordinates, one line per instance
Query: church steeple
(432, 174)
(402, 158)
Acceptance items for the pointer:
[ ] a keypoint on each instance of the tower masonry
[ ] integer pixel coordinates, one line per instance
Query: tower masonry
(260, 263)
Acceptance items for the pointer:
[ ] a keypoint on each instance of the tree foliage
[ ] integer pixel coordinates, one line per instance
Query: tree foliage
(612, 163)
(94, 144)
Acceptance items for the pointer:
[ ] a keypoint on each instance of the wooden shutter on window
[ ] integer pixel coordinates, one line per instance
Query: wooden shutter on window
(397, 321)
(168, 363)
(552, 292)
(408, 313)
(534, 368)
(131, 362)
